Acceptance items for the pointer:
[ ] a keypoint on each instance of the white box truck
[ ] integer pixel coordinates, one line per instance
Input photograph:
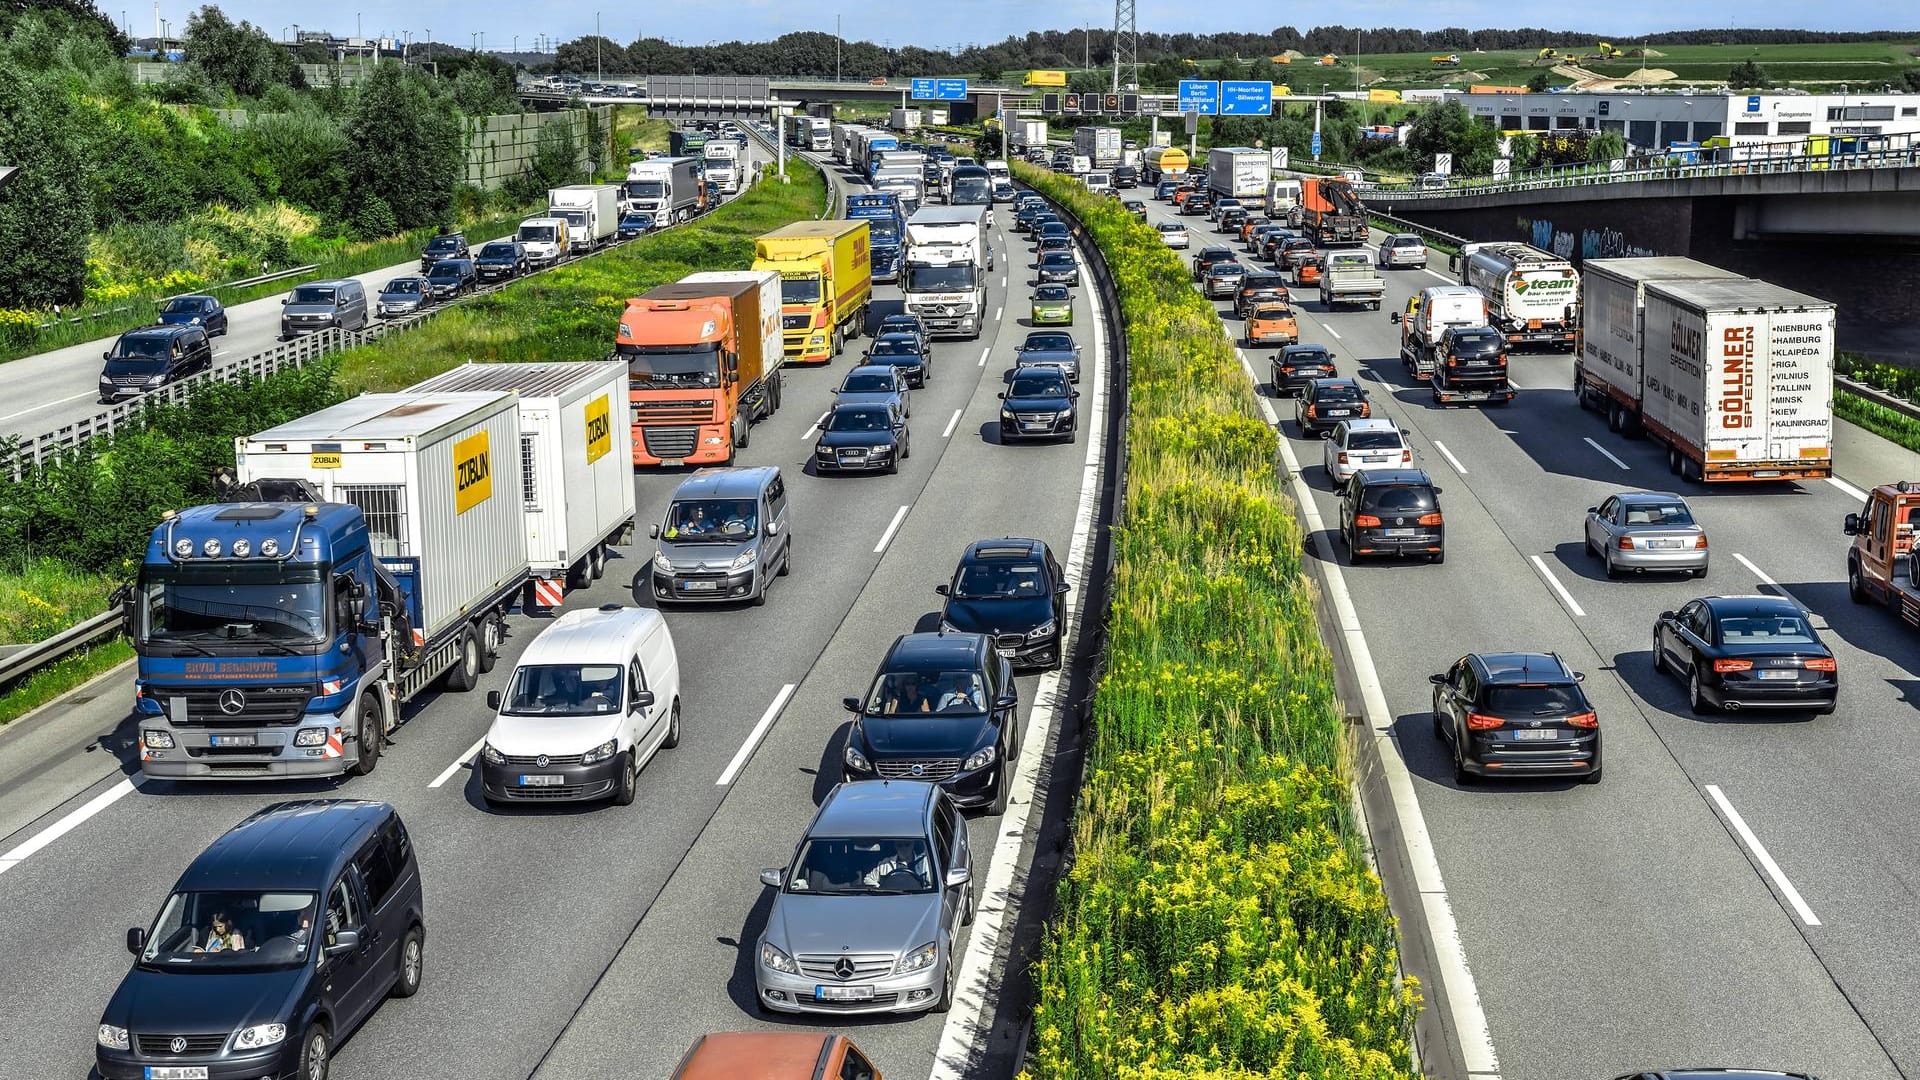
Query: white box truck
(576, 459)
(1099, 145)
(667, 188)
(592, 213)
(904, 120)
(1026, 133)
(1239, 172)
(948, 256)
(434, 476)
(724, 166)
(1608, 367)
(1739, 379)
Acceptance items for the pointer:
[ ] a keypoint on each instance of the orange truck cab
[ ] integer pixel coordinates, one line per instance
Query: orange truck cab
(703, 360)
(775, 1055)
(1880, 563)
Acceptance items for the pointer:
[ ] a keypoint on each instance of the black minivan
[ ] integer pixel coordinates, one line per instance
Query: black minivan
(277, 942)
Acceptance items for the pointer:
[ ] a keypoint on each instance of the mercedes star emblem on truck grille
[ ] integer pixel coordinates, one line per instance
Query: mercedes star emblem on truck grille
(232, 701)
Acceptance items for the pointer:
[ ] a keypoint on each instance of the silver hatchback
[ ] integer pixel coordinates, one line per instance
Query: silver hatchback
(1647, 530)
(1403, 250)
(867, 916)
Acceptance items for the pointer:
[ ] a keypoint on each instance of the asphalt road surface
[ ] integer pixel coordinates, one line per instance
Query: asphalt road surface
(582, 940)
(1634, 924)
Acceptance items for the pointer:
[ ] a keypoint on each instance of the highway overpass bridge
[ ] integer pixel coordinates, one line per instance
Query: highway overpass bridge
(719, 97)
(1845, 229)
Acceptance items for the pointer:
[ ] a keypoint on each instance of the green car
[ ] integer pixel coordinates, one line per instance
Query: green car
(1053, 306)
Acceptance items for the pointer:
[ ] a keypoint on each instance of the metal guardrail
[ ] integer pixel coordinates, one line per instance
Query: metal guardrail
(1570, 176)
(1878, 396)
(1424, 232)
(122, 309)
(24, 660)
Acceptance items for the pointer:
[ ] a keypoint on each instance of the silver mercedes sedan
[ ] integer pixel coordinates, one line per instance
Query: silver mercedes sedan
(1644, 531)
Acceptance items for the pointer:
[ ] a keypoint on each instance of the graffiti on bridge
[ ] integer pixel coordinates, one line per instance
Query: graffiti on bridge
(1604, 243)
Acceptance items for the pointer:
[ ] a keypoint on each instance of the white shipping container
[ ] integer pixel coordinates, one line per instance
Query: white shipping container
(434, 475)
(1612, 304)
(576, 450)
(1741, 371)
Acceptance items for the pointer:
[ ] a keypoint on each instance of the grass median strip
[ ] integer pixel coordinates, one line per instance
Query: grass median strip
(1219, 919)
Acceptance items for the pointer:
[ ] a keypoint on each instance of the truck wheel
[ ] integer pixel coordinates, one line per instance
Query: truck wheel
(1616, 418)
(1856, 589)
(775, 385)
(742, 431)
(837, 341)
(372, 734)
(465, 674)
(597, 561)
(490, 635)
(1673, 460)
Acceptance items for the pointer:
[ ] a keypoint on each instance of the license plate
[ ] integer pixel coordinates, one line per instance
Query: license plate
(673, 461)
(1536, 734)
(1396, 532)
(843, 993)
(541, 780)
(1034, 425)
(699, 586)
(176, 1072)
(1004, 650)
(1781, 674)
(1666, 543)
(234, 740)
(1339, 412)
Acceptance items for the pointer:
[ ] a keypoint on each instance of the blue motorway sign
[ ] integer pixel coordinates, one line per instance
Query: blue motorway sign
(1246, 98)
(950, 90)
(1316, 144)
(923, 89)
(1199, 96)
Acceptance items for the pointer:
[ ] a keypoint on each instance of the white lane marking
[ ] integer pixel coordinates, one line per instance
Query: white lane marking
(1515, 385)
(1565, 596)
(887, 537)
(984, 353)
(759, 732)
(951, 424)
(1759, 852)
(999, 897)
(1003, 281)
(997, 312)
(1606, 453)
(815, 429)
(1329, 329)
(1769, 582)
(1450, 956)
(1847, 489)
(50, 404)
(25, 850)
(466, 756)
(1448, 454)
(1438, 274)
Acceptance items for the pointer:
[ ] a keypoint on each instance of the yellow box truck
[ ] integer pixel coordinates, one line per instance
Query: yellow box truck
(826, 280)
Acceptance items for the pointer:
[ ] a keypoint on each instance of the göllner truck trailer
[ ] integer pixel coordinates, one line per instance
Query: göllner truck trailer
(1609, 364)
(282, 638)
(826, 283)
(576, 472)
(703, 357)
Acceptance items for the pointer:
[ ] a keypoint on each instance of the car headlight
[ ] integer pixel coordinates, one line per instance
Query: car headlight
(313, 736)
(113, 1038)
(919, 959)
(196, 320)
(856, 760)
(745, 559)
(156, 380)
(260, 1035)
(1043, 631)
(824, 451)
(492, 756)
(661, 563)
(1008, 414)
(772, 957)
(599, 753)
(157, 739)
(980, 759)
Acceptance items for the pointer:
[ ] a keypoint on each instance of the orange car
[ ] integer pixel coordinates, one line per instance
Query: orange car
(1272, 323)
(1180, 196)
(774, 1055)
(1307, 270)
(1252, 223)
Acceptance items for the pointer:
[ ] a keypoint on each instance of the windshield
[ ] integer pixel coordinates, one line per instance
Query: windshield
(233, 602)
(646, 189)
(1762, 629)
(1337, 394)
(1268, 314)
(443, 244)
(672, 367)
(1484, 341)
(868, 383)
(886, 229)
(313, 294)
(918, 693)
(151, 348)
(1658, 514)
(1056, 259)
(976, 189)
(539, 234)
(564, 690)
(1047, 342)
(1373, 440)
(233, 930)
(1051, 292)
(502, 250)
(800, 290)
(184, 306)
(723, 520)
(1535, 700)
(402, 285)
(572, 217)
(1308, 358)
(1038, 386)
(135, 366)
(446, 271)
(1398, 499)
(860, 420)
(895, 346)
(840, 867)
(940, 278)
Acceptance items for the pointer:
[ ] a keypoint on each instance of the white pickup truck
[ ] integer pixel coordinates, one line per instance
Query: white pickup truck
(1351, 277)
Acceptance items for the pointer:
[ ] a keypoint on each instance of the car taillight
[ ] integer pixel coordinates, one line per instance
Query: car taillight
(1724, 666)
(1343, 457)
(1585, 720)
(1366, 410)
(1365, 521)
(1406, 457)
(1819, 663)
(1626, 543)
(1700, 543)
(1429, 519)
(1312, 411)
(1479, 722)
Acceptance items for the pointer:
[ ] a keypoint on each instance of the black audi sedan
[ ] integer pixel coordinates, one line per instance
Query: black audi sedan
(1294, 366)
(1516, 714)
(1747, 652)
(904, 351)
(943, 709)
(1038, 404)
(1393, 512)
(861, 438)
(1012, 590)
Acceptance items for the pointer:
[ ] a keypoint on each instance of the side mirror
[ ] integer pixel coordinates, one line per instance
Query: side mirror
(773, 876)
(958, 876)
(1005, 701)
(653, 531)
(1852, 525)
(1593, 509)
(108, 355)
(1002, 397)
(1439, 491)
(1437, 680)
(642, 699)
(136, 940)
(1579, 676)
(851, 704)
(1665, 615)
(344, 941)
(493, 700)
(1063, 588)
(1394, 318)
(1074, 394)
(773, 528)
(284, 300)
(943, 590)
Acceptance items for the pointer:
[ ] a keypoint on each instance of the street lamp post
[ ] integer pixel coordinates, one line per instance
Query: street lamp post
(598, 75)
(836, 47)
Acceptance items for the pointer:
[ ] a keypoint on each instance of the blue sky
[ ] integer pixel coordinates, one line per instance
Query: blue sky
(943, 25)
